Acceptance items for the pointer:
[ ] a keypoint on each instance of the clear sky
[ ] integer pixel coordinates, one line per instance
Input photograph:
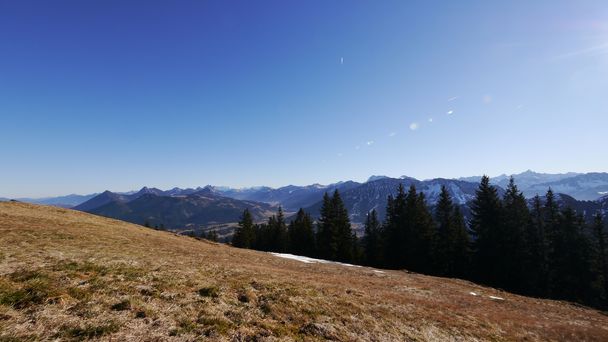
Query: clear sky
(116, 95)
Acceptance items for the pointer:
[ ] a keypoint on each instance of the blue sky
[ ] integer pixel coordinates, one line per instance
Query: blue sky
(116, 95)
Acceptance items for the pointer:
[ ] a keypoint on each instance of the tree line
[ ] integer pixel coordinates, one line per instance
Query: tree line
(536, 249)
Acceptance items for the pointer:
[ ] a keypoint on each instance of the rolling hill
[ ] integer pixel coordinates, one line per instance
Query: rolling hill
(69, 275)
(66, 201)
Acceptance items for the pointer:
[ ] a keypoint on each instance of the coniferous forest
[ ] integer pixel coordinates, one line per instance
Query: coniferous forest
(538, 249)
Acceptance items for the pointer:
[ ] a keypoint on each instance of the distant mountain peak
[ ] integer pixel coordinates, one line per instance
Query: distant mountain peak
(376, 177)
(145, 191)
(206, 191)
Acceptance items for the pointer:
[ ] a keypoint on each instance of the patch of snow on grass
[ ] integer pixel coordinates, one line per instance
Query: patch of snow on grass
(308, 260)
(300, 258)
(473, 294)
(496, 298)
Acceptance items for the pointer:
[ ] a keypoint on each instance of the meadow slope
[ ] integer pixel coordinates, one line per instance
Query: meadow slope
(69, 275)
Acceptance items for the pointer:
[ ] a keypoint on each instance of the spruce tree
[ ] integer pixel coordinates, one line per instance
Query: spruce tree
(408, 220)
(443, 218)
(395, 230)
(537, 251)
(346, 240)
(408, 231)
(451, 244)
(262, 237)
(421, 235)
(551, 215)
(601, 257)
(570, 259)
(335, 239)
(278, 232)
(512, 241)
(459, 246)
(326, 238)
(301, 235)
(244, 236)
(372, 239)
(212, 236)
(486, 213)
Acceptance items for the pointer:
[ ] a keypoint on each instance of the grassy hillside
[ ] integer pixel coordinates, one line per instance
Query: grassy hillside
(70, 275)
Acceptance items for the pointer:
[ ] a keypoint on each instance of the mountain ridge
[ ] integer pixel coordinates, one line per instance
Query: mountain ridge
(194, 210)
(581, 186)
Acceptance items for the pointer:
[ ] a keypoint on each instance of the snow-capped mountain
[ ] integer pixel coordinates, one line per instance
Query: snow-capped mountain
(525, 179)
(373, 195)
(582, 186)
(291, 197)
(588, 186)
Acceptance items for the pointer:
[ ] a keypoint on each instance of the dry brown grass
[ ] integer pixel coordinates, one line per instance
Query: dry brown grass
(70, 276)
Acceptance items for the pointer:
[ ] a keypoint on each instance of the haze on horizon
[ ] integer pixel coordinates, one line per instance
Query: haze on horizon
(115, 95)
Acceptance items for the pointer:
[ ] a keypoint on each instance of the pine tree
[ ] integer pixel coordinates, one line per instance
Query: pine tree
(301, 235)
(244, 236)
(372, 240)
(486, 212)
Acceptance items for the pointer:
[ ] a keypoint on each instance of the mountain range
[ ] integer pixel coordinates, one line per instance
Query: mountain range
(210, 205)
(373, 194)
(581, 186)
(173, 209)
(290, 197)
